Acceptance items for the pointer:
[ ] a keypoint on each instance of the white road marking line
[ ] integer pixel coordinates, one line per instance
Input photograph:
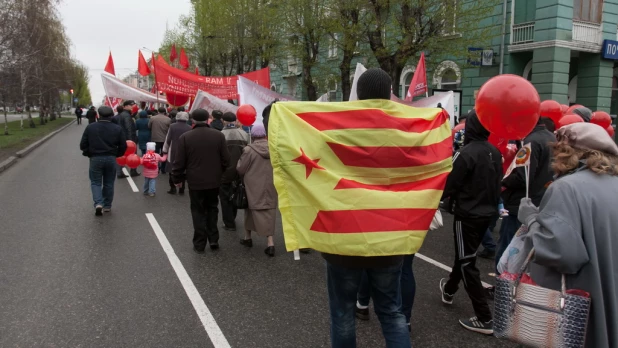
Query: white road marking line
(130, 180)
(212, 329)
(441, 265)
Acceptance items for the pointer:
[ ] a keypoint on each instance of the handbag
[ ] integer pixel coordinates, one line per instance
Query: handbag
(238, 198)
(538, 317)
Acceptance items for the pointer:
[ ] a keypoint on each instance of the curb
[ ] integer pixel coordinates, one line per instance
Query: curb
(6, 164)
(21, 154)
(31, 147)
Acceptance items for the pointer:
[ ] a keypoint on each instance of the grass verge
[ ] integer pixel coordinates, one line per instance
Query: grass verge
(19, 139)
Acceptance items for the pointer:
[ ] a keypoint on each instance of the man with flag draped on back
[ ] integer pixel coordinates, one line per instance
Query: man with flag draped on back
(360, 182)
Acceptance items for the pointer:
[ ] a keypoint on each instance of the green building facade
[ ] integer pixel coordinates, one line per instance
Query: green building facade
(555, 44)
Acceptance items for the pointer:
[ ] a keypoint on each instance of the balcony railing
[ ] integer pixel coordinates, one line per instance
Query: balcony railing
(587, 32)
(522, 33)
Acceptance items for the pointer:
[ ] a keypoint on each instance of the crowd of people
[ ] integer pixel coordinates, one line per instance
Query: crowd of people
(565, 209)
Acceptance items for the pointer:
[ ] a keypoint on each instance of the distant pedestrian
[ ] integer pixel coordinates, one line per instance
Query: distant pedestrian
(257, 171)
(159, 125)
(125, 121)
(143, 131)
(236, 140)
(102, 142)
(150, 162)
(91, 115)
(217, 122)
(79, 112)
(201, 156)
(176, 130)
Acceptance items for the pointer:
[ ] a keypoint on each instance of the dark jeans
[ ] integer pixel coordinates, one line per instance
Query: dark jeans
(172, 186)
(385, 287)
(102, 176)
(205, 214)
(159, 150)
(228, 210)
(79, 120)
(408, 288)
(468, 235)
(488, 239)
(509, 227)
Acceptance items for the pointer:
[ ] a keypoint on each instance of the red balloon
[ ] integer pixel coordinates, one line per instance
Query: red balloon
(133, 161)
(122, 161)
(508, 106)
(571, 108)
(611, 131)
(569, 119)
(564, 109)
(552, 110)
(601, 118)
(459, 127)
(246, 114)
(131, 148)
(509, 157)
(499, 143)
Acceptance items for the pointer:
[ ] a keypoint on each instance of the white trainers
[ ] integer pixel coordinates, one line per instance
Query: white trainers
(474, 324)
(446, 298)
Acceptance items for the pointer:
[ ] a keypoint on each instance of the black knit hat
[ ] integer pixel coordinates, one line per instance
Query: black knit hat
(106, 111)
(228, 116)
(374, 84)
(217, 114)
(200, 115)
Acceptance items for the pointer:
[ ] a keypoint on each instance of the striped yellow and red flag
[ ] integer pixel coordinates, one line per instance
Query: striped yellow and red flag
(359, 178)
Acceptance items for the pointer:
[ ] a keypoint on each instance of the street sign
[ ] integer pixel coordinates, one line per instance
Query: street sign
(610, 49)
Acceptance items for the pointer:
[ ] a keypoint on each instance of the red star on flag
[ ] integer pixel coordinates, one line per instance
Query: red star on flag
(307, 162)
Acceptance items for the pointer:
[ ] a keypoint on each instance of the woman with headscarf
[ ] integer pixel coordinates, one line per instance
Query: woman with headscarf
(573, 231)
(143, 132)
(257, 172)
(177, 129)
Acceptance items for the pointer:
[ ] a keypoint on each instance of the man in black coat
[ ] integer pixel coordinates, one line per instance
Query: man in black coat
(201, 157)
(541, 176)
(126, 122)
(91, 115)
(102, 142)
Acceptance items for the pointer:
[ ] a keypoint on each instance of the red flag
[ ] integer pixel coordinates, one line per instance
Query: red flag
(173, 54)
(109, 67)
(197, 70)
(418, 85)
(184, 60)
(142, 66)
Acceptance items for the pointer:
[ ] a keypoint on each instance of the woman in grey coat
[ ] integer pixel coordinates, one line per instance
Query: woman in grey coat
(177, 129)
(574, 230)
(257, 172)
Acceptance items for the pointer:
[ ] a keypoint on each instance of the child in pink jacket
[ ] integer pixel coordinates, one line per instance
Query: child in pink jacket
(150, 162)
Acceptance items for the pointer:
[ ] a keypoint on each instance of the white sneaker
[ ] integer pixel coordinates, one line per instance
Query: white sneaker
(446, 298)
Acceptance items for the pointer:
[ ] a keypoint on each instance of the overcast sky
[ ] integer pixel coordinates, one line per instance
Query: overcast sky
(123, 26)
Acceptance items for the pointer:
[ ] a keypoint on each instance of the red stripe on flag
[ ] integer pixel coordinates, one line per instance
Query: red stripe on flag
(393, 157)
(373, 220)
(371, 119)
(434, 183)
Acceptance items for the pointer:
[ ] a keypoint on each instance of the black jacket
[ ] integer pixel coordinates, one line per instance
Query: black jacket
(103, 138)
(125, 121)
(540, 172)
(200, 157)
(91, 115)
(473, 186)
(236, 140)
(217, 124)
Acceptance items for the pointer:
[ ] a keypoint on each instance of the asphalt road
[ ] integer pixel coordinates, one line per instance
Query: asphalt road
(69, 279)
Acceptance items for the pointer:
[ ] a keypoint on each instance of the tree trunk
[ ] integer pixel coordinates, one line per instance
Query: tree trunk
(344, 68)
(312, 93)
(6, 121)
(30, 119)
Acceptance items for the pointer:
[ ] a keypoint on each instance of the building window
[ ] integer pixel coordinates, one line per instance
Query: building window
(528, 71)
(447, 76)
(332, 46)
(292, 61)
(449, 80)
(332, 91)
(450, 17)
(588, 10)
(273, 87)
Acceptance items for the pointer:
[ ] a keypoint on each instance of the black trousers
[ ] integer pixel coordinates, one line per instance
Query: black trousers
(468, 236)
(79, 120)
(205, 214)
(182, 188)
(228, 210)
(159, 150)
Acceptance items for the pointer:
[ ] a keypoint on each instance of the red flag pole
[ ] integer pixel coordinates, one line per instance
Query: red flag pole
(155, 74)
